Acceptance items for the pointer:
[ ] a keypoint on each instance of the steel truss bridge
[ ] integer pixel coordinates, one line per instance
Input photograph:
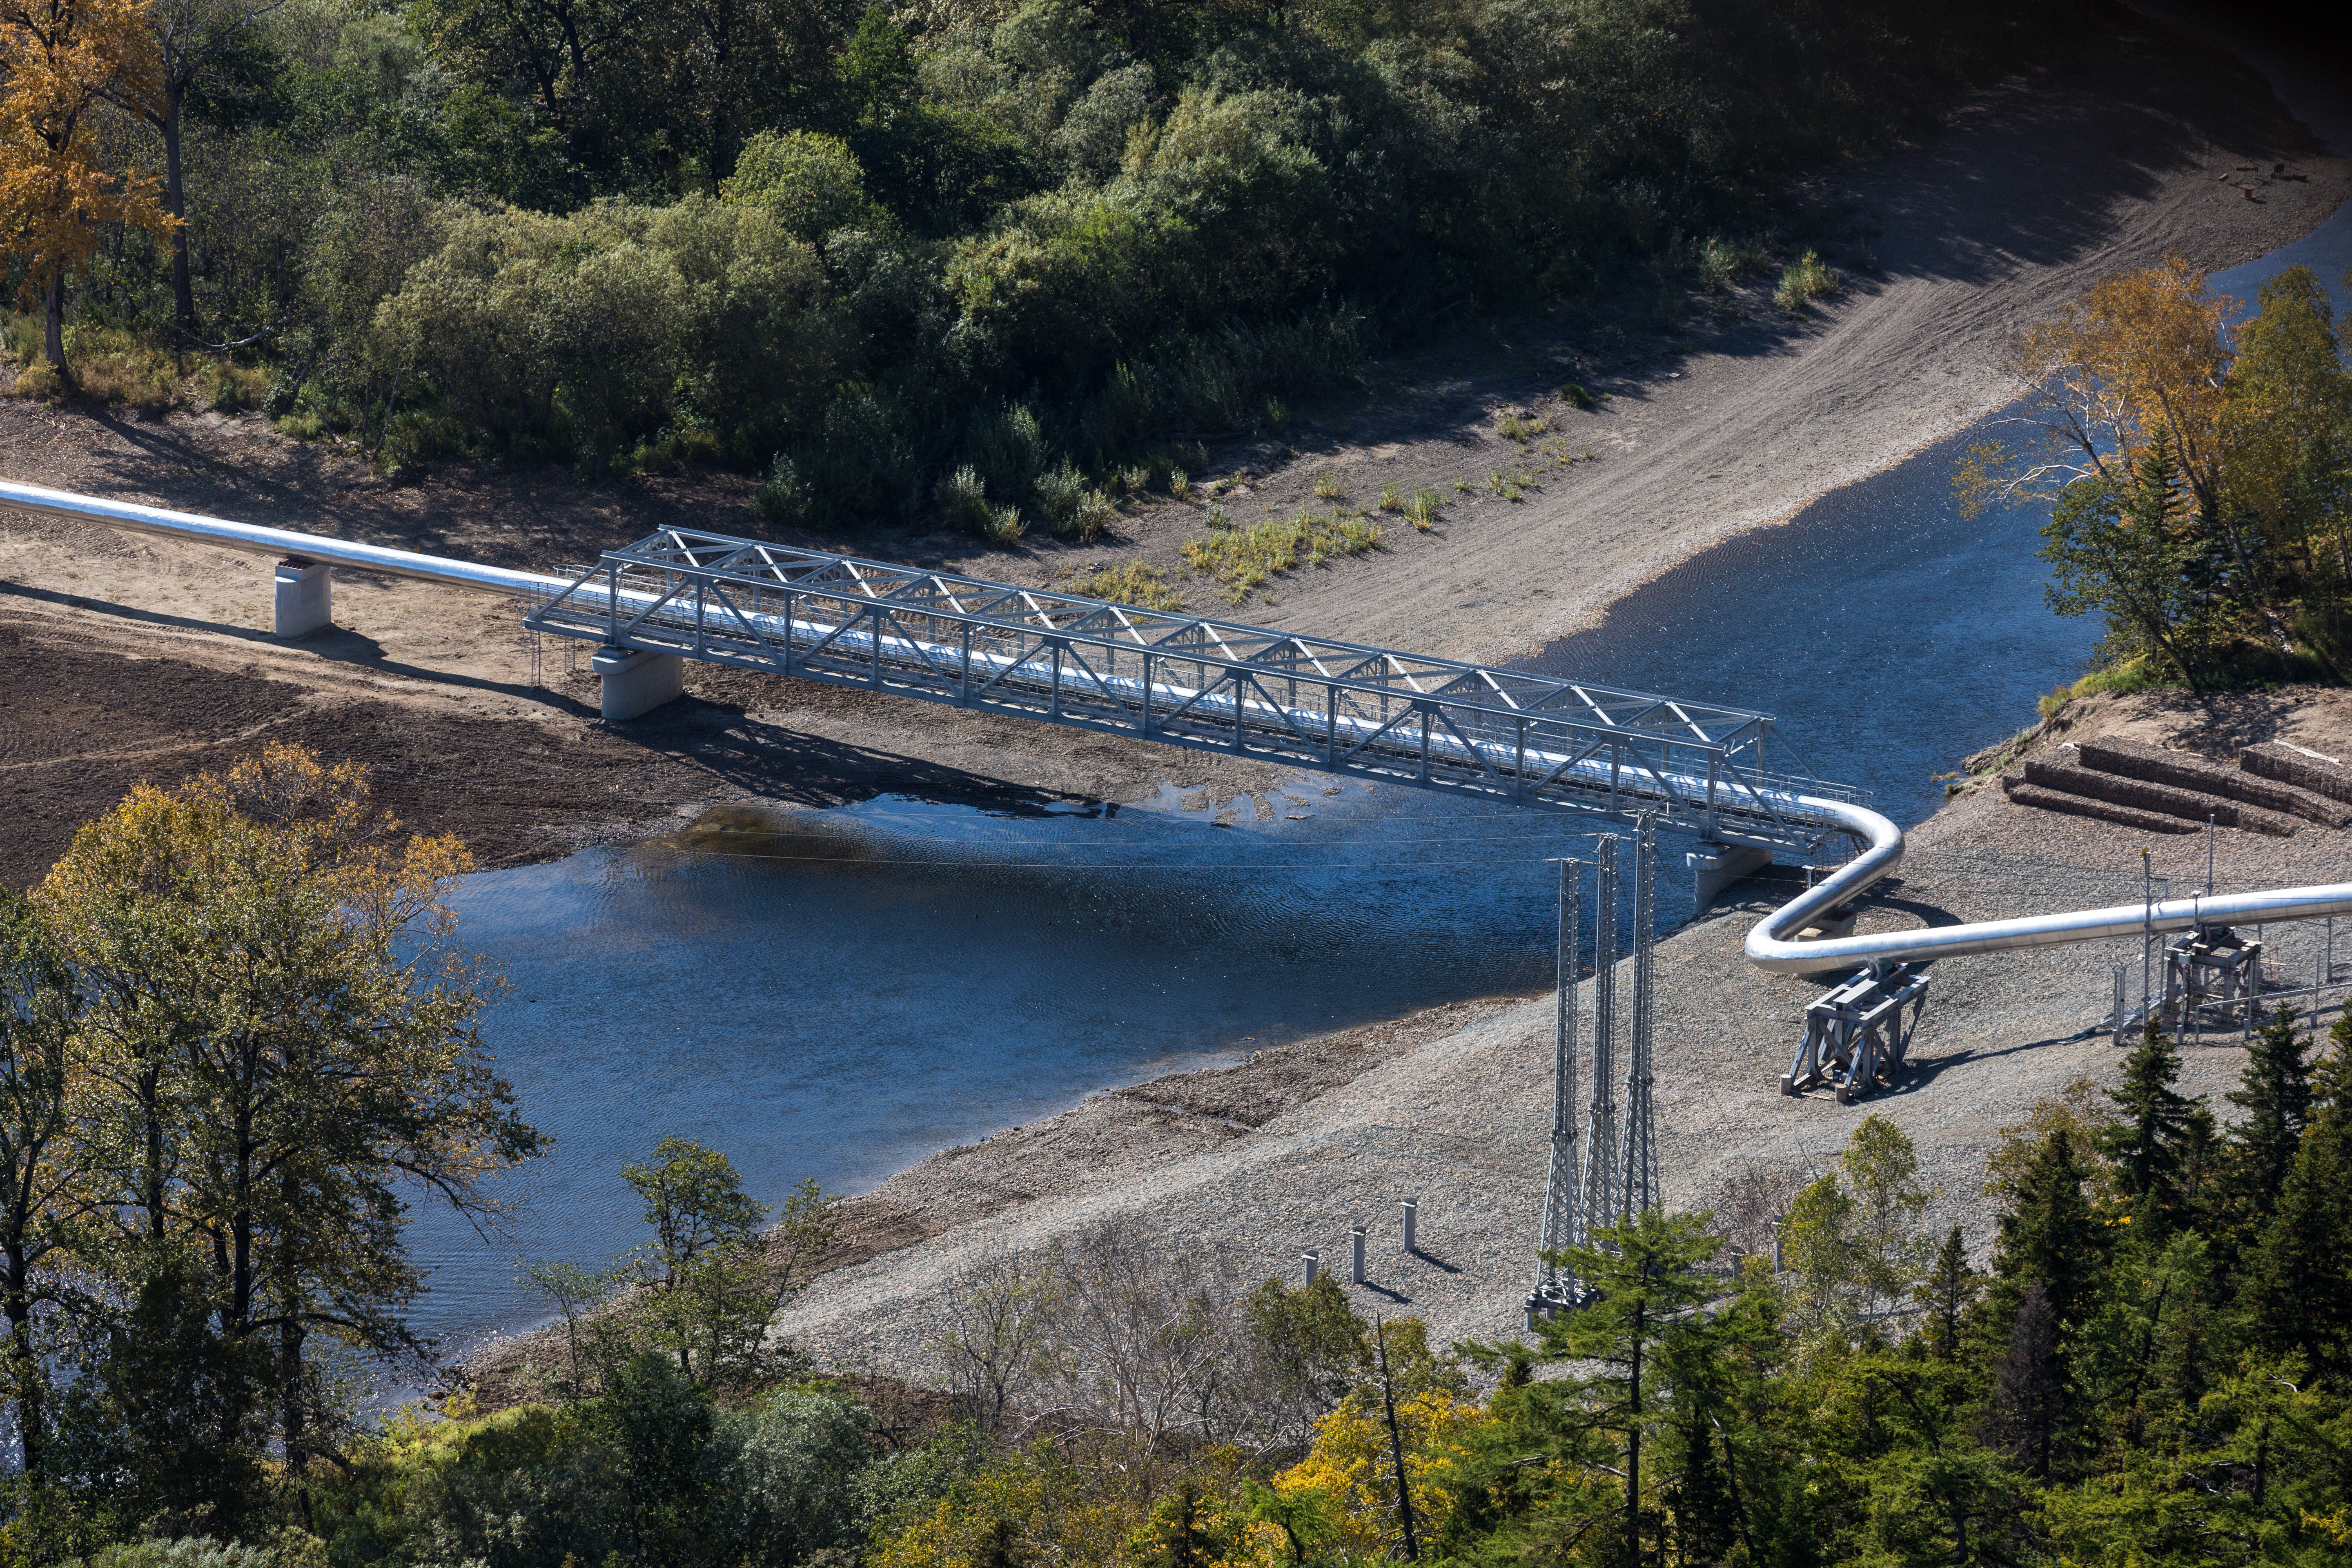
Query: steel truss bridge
(1184, 680)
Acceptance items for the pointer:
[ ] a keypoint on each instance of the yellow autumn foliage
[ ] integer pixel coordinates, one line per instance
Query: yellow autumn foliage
(58, 58)
(1349, 1467)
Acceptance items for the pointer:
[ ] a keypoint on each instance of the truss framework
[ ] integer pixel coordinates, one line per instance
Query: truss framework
(1184, 680)
(1858, 1036)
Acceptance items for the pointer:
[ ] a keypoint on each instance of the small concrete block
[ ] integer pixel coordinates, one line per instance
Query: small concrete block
(636, 682)
(1715, 866)
(305, 598)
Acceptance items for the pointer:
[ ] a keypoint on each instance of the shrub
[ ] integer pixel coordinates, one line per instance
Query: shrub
(1809, 277)
(1391, 497)
(1576, 397)
(811, 183)
(1060, 492)
(1723, 262)
(1243, 559)
(1135, 583)
(962, 499)
(784, 497)
(1422, 510)
(1520, 428)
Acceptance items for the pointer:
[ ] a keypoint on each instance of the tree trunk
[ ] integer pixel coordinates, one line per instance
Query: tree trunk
(24, 1364)
(53, 335)
(176, 202)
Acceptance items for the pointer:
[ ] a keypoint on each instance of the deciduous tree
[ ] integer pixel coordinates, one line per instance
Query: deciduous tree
(56, 59)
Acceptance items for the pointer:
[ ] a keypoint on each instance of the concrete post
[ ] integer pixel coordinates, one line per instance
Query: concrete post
(1356, 1256)
(304, 602)
(1777, 1265)
(1715, 866)
(636, 681)
(1311, 1260)
(1412, 1208)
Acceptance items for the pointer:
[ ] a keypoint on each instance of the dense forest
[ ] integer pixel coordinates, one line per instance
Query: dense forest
(237, 1042)
(899, 262)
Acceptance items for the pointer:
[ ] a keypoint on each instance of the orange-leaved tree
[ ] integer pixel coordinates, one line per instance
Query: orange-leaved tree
(57, 57)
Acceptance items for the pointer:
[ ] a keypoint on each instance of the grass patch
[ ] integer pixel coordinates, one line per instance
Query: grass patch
(1391, 497)
(1242, 559)
(1576, 397)
(1326, 486)
(1520, 428)
(1808, 279)
(119, 366)
(1422, 510)
(1138, 583)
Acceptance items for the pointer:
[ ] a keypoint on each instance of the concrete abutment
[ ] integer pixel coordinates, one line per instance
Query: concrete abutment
(636, 682)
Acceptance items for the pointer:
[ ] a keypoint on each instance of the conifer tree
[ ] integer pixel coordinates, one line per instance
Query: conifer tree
(2275, 1094)
(1950, 1290)
(2049, 1238)
(2298, 1290)
(2147, 1143)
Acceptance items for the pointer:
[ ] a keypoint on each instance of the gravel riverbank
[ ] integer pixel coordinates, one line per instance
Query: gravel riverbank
(1462, 1120)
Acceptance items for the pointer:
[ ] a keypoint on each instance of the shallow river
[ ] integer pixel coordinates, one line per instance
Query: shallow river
(920, 974)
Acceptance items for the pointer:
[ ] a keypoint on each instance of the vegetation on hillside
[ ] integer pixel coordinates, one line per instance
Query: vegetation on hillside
(2199, 469)
(935, 262)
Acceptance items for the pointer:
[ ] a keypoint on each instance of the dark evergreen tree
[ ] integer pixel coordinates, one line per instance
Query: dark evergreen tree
(2147, 1143)
(2051, 1238)
(2275, 1094)
(2298, 1294)
(2029, 1386)
(1951, 1288)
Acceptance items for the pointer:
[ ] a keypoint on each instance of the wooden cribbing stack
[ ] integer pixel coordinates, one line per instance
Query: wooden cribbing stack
(2274, 790)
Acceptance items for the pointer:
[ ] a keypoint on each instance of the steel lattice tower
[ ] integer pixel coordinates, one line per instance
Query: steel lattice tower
(1563, 1217)
(1640, 1186)
(1601, 1192)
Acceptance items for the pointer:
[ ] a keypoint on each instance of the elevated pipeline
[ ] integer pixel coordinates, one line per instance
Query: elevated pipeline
(1771, 943)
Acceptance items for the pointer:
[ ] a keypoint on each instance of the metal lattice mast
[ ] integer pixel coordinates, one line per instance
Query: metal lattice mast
(1563, 1197)
(1641, 1176)
(1600, 1194)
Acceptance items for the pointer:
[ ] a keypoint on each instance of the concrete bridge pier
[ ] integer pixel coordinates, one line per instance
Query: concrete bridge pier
(1716, 866)
(305, 597)
(636, 682)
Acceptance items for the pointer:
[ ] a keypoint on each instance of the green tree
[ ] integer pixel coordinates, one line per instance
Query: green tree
(713, 1282)
(2128, 547)
(2298, 1294)
(1310, 1349)
(1949, 1290)
(2049, 1237)
(1646, 1276)
(878, 69)
(283, 1045)
(2147, 1145)
(2274, 1092)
